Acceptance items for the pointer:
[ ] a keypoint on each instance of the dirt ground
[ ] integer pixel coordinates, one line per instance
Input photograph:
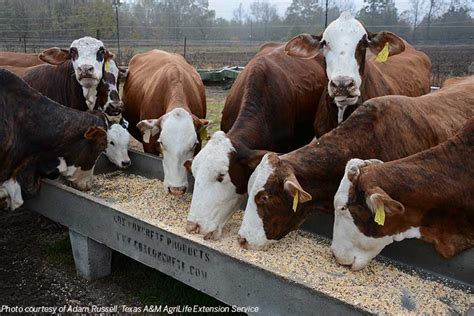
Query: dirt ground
(37, 267)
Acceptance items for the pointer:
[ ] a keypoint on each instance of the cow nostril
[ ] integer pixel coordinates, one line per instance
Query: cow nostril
(177, 190)
(242, 242)
(126, 164)
(192, 228)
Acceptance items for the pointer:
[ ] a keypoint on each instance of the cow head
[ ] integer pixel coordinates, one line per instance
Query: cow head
(117, 144)
(344, 44)
(77, 164)
(87, 55)
(108, 98)
(357, 238)
(176, 136)
(270, 213)
(216, 196)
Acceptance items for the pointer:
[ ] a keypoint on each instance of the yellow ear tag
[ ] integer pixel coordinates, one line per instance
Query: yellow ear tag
(295, 201)
(380, 216)
(382, 56)
(107, 66)
(203, 134)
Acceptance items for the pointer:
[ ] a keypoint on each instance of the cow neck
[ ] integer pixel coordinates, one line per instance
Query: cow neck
(61, 127)
(319, 166)
(66, 86)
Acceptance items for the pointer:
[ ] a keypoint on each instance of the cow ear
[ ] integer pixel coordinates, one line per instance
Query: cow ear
(378, 40)
(304, 46)
(108, 55)
(293, 187)
(123, 73)
(97, 134)
(55, 56)
(200, 123)
(377, 198)
(354, 165)
(149, 128)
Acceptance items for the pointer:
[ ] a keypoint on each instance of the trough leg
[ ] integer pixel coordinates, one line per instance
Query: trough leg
(93, 260)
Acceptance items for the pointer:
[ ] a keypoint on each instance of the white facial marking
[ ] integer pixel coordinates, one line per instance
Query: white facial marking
(117, 145)
(342, 37)
(252, 225)
(178, 140)
(90, 94)
(87, 48)
(349, 245)
(62, 167)
(213, 202)
(11, 190)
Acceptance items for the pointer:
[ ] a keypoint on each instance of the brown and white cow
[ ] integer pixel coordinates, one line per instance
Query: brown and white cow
(165, 103)
(354, 73)
(285, 190)
(35, 131)
(84, 77)
(271, 107)
(21, 60)
(429, 195)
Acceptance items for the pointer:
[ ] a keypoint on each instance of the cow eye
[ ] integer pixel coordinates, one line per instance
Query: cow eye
(112, 143)
(101, 51)
(323, 43)
(73, 52)
(220, 177)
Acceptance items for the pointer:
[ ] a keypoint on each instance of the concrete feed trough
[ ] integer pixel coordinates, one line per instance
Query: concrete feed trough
(130, 214)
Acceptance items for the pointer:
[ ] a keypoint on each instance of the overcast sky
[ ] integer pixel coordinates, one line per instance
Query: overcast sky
(224, 8)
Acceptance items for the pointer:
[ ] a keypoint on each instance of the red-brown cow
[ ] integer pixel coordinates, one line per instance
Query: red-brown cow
(353, 71)
(165, 103)
(429, 195)
(271, 107)
(386, 128)
(41, 137)
(13, 59)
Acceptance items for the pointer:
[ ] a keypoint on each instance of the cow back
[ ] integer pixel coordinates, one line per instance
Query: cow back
(158, 82)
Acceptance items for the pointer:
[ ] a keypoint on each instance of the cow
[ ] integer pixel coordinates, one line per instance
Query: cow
(38, 133)
(355, 74)
(73, 78)
(271, 106)
(428, 196)
(284, 190)
(165, 104)
(21, 60)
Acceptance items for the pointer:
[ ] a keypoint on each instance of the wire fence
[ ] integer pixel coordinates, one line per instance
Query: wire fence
(447, 60)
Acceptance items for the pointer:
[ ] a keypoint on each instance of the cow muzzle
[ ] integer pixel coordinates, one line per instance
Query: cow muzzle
(177, 190)
(343, 88)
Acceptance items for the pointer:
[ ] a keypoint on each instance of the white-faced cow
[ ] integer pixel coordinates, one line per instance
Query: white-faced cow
(271, 106)
(354, 73)
(285, 190)
(165, 104)
(428, 195)
(84, 77)
(41, 137)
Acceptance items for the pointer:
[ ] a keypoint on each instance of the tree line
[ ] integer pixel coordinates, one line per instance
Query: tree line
(427, 21)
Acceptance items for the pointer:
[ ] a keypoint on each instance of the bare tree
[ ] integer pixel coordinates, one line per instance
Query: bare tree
(238, 14)
(434, 6)
(416, 11)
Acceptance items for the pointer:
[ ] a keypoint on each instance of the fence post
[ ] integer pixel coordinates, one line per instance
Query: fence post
(185, 47)
(98, 34)
(24, 42)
